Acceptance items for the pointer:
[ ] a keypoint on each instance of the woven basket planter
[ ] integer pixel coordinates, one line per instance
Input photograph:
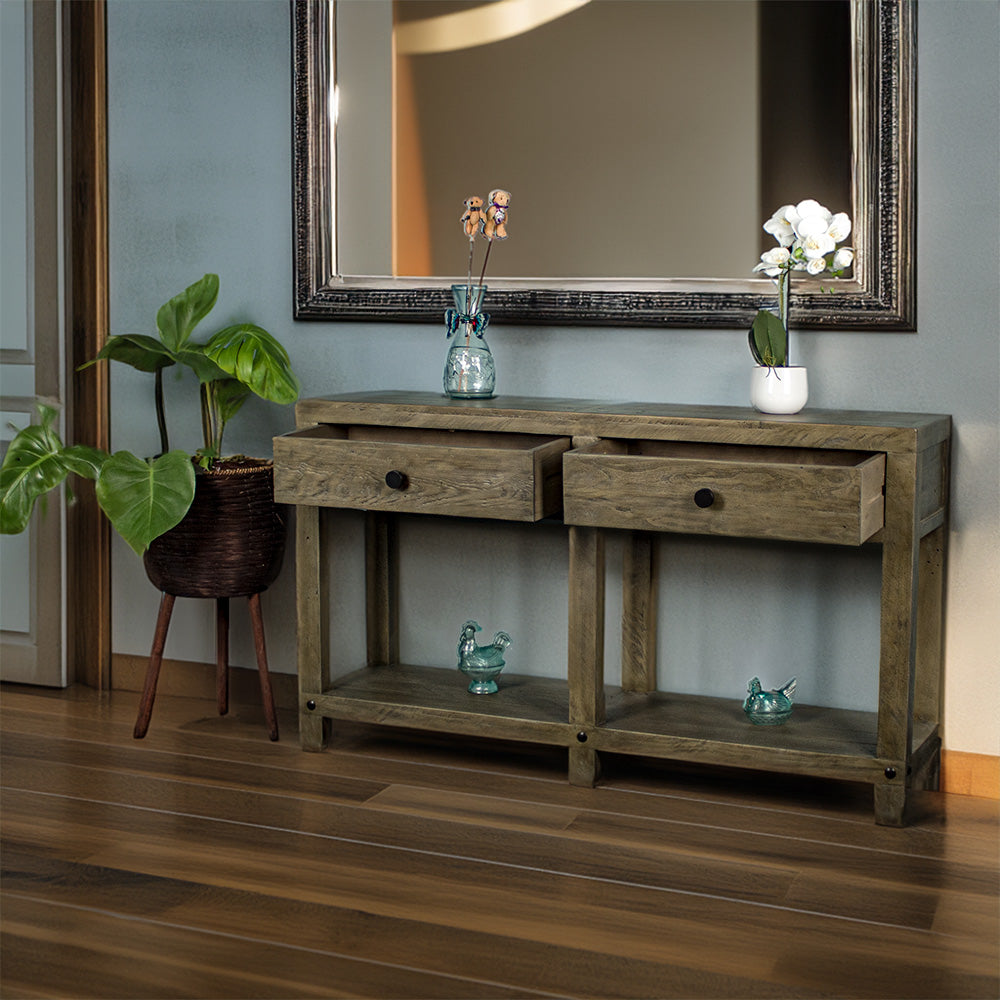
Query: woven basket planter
(232, 540)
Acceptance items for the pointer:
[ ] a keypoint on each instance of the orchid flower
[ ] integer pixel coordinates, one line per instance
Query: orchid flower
(807, 234)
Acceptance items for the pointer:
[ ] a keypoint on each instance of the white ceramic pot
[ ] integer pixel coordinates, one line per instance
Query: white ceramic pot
(778, 390)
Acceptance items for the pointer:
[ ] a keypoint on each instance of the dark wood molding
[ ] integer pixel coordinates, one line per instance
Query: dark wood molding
(880, 297)
(88, 563)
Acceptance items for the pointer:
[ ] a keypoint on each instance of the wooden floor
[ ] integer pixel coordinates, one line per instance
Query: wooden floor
(206, 861)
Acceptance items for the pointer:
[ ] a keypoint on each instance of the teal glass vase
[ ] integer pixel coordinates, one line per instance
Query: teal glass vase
(469, 369)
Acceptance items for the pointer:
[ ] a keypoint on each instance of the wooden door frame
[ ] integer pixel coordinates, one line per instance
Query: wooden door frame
(88, 556)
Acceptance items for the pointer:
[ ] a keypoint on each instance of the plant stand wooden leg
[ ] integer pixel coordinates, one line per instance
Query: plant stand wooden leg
(257, 620)
(222, 653)
(153, 670)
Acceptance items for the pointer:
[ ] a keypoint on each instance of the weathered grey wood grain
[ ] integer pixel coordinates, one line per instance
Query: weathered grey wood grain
(531, 709)
(897, 657)
(756, 495)
(585, 648)
(840, 477)
(860, 430)
(381, 589)
(639, 586)
(312, 666)
(504, 478)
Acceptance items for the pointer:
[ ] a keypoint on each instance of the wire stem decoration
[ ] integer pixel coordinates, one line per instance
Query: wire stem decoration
(492, 225)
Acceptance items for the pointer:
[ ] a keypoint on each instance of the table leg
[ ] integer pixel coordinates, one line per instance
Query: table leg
(585, 667)
(311, 646)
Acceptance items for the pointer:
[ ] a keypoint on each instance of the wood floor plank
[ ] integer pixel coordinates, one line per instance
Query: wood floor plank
(973, 871)
(863, 885)
(408, 832)
(204, 770)
(547, 967)
(397, 865)
(113, 955)
(940, 839)
(462, 893)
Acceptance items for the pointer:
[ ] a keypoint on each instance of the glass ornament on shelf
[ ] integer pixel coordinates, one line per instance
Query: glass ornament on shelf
(481, 664)
(469, 370)
(768, 708)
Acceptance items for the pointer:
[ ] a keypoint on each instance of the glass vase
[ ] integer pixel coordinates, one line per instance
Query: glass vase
(469, 370)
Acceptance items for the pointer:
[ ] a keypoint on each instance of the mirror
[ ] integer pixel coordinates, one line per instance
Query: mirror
(349, 255)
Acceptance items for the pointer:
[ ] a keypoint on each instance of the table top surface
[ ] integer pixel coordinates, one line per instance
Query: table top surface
(874, 429)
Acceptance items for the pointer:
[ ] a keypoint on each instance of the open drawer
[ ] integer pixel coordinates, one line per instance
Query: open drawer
(512, 477)
(801, 495)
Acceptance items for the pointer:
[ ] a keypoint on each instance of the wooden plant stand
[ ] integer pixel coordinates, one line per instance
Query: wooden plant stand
(221, 662)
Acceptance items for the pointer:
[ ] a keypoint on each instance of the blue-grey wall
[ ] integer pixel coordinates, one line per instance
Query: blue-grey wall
(200, 175)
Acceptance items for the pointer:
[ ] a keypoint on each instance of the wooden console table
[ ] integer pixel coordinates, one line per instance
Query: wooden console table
(844, 478)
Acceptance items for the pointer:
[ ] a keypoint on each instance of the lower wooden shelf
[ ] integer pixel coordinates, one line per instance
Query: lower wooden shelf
(532, 709)
(829, 742)
(826, 742)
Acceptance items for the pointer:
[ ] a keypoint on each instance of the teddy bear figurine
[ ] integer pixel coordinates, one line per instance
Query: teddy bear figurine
(495, 224)
(472, 217)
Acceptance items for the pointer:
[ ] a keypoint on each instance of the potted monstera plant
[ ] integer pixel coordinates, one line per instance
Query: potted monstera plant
(205, 525)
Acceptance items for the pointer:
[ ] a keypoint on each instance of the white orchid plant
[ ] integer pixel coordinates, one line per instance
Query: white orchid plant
(808, 235)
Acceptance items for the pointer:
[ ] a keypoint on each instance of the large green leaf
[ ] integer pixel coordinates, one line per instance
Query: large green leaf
(143, 499)
(768, 339)
(193, 355)
(178, 317)
(36, 462)
(145, 353)
(253, 356)
(230, 395)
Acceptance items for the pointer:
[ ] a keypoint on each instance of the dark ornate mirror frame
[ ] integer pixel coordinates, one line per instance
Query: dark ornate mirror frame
(880, 295)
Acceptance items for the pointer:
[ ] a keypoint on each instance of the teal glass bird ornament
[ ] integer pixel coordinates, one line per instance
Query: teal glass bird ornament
(768, 708)
(482, 664)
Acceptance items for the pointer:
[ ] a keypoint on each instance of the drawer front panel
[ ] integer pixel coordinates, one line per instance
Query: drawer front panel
(515, 483)
(841, 502)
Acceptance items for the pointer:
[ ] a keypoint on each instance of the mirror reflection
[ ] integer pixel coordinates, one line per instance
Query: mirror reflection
(638, 138)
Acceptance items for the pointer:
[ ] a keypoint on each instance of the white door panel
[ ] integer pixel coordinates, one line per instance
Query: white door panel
(31, 615)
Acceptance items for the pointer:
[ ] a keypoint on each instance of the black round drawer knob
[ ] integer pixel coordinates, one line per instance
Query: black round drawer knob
(396, 480)
(704, 497)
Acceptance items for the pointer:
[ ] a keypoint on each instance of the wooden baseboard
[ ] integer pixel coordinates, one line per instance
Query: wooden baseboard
(970, 774)
(189, 679)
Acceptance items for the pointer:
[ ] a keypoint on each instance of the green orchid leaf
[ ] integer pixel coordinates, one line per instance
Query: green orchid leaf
(146, 354)
(144, 499)
(768, 340)
(178, 317)
(253, 356)
(36, 462)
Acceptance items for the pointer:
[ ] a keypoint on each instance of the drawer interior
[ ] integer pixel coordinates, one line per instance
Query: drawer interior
(423, 436)
(740, 453)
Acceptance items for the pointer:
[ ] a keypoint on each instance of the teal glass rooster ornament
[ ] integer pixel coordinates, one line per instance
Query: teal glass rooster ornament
(482, 664)
(768, 708)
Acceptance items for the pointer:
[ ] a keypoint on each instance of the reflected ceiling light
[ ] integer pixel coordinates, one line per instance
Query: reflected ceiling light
(491, 22)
